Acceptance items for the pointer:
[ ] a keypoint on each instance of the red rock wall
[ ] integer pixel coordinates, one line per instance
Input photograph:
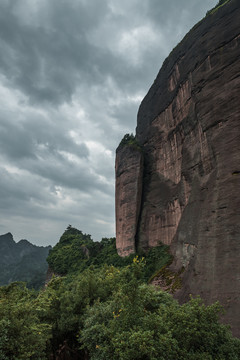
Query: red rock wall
(129, 171)
(189, 128)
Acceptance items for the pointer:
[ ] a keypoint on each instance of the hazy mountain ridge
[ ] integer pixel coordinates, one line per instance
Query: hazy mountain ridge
(22, 261)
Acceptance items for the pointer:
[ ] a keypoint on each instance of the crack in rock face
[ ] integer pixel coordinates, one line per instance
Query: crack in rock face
(182, 189)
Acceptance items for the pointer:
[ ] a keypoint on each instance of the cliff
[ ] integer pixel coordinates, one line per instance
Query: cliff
(129, 179)
(189, 130)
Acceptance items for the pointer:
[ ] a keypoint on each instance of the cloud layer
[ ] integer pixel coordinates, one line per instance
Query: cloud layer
(72, 76)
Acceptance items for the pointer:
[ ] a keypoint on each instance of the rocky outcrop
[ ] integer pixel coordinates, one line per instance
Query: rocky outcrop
(189, 129)
(129, 178)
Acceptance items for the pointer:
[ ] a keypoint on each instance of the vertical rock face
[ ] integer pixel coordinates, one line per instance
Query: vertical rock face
(189, 129)
(129, 172)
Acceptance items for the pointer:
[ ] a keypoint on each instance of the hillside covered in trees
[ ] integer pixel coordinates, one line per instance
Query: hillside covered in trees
(22, 261)
(102, 307)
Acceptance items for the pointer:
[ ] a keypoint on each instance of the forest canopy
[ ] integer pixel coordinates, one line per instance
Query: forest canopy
(97, 310)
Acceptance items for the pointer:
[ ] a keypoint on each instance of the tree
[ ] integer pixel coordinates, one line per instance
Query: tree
(22, 334)
(139, 323)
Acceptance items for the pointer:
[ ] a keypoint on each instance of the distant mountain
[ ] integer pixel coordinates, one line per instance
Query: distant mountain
(22, 261)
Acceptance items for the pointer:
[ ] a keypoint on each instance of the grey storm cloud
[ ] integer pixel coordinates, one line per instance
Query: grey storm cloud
(29, 136)
(65, 44)
(72, 76)
(49, 58)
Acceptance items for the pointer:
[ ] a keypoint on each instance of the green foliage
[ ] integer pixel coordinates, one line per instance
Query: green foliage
(103, 307)
(76, 251)
(71, 252)
(138, 322)
(107, 254)
(110, 313)
(22, 334)
(156, 258)
(198, 332)
(219, 4)
(130, 140)
(70, 297)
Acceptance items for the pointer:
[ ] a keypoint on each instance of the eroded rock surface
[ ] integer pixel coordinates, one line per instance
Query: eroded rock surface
(189, 129)
(129, 172)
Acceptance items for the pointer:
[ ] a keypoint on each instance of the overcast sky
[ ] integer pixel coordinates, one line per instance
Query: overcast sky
(72, 76)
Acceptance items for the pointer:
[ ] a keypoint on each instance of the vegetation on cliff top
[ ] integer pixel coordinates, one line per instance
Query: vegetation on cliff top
(217, 6)
(130, 140)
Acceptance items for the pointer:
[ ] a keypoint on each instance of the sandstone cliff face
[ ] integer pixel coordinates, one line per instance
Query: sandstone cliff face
(189, 129)
(129, 172)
